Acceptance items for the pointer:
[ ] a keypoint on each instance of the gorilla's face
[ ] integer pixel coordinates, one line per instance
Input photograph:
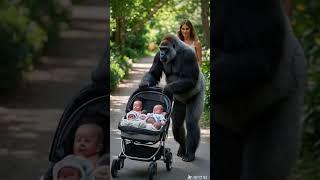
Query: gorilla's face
(167, 51)
(164, 54)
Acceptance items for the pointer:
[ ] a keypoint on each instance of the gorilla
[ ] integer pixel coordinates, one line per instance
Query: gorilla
(258, 89)
(185, 81)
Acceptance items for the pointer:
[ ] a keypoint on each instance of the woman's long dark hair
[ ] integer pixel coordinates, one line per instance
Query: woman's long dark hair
(193, 35)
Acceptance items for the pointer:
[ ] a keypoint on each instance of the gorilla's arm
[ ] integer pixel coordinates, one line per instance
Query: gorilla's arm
(188, 73)
(153, 76)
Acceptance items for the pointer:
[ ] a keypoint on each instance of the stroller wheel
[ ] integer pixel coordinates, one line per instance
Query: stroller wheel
(152, 170)
(169, 161)
(114, 168)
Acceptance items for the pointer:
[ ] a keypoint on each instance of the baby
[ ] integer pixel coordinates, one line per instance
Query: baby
(87, 148)
(158, 114)
(152, 124)
(131, 116)
(137, 106)
(133, 119)
(73, 167)
(158, 109)
(88, 142)
(137, 113)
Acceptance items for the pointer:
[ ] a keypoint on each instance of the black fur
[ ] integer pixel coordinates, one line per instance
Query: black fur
(247, 39)
(186, 82)
(258, 80)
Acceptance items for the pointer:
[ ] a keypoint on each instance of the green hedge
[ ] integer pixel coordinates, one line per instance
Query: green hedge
(25, 26)
(306, 25)
(21, 41)
(119, 68)
(205, 68)
(50, 15)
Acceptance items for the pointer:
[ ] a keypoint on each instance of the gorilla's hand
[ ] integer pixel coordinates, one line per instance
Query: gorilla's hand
(167, 89)
(144, 84)
(148, 80)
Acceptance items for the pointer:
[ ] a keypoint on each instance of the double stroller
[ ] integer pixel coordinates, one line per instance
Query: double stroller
(142, 144)
(93, 100)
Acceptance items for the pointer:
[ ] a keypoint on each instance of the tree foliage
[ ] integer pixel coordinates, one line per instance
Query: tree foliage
(154, 18)
(26, 27)
(306, 25)
(140, 24)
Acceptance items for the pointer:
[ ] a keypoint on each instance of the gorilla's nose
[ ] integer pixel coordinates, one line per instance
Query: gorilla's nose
(162, 57)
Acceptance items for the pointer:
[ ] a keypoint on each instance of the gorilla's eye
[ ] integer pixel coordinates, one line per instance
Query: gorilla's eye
(164, 49)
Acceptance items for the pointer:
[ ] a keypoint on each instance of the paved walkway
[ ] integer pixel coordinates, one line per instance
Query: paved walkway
(136, 170)
(28, 120)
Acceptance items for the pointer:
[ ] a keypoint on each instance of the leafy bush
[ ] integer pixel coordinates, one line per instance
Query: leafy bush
(21, 40)
(205, 68)
(306, 25)
(136, 44)
(26, 26)
(116, 75)
(119, 67)
(132, 53)
(50, 15)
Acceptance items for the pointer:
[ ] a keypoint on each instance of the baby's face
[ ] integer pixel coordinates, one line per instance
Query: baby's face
(137, 106)
(131, 117)
(158, 109)
(86, 141)
(69, 173)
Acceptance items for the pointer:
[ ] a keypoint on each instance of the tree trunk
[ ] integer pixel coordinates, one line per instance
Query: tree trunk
(120, 32)
(205, 21)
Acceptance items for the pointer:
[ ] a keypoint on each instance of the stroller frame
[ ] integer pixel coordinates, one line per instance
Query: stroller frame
(158, 152)
(91, 100)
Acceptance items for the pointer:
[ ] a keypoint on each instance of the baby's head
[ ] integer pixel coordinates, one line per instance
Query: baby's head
(131, 115)
(150, 120)
(72, 167)
(137, 105)
(157, 125)
(69, 173)
(88, 140)
(158, 109)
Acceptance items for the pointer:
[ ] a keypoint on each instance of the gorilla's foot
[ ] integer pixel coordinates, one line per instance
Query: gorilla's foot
(181, 151)
(188, 157)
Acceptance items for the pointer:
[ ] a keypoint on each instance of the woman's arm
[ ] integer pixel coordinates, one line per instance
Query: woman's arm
(197, 46)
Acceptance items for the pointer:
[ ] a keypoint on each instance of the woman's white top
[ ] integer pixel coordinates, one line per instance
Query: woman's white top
(192, 46)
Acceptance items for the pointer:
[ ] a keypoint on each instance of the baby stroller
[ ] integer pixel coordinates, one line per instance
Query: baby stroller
(93, 100)
(143, 144)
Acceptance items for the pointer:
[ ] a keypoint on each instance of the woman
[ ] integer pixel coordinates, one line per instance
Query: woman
(187, 34)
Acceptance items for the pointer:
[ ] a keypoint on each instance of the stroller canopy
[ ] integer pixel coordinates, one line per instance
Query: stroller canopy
(150, 97)
(91, 101)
